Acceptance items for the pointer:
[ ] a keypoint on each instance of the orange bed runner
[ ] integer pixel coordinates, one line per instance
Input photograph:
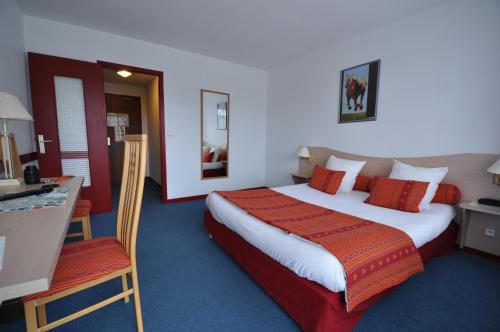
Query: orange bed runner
(375, 257)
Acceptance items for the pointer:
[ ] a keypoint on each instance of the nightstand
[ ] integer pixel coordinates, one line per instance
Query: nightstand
(467, 207)
(299, 178)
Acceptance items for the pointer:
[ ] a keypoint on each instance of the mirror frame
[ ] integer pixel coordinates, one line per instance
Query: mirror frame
(202, 91)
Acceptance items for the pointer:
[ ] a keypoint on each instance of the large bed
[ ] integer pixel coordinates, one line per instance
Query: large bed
(309, 260)
(309, 281)
(304, 278)
(214, 169)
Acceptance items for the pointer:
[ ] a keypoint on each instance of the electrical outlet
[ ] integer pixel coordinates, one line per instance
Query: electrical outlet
(489, 232)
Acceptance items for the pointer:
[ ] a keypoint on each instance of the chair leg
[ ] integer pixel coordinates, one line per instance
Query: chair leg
(89, 227)
(87, 232)
(137, 300)
(30, 316)
(42, 315)
(125, 287)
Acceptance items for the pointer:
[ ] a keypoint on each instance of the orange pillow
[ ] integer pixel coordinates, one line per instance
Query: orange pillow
(207, 157)
(362, 183)
(223, 156)
(447, 194)
(326, 180)
(404, 195)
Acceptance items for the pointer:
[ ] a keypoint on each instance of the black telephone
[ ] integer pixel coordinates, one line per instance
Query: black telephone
(489, 202)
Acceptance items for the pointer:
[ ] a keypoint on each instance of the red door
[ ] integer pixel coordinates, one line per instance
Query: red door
(70, 123)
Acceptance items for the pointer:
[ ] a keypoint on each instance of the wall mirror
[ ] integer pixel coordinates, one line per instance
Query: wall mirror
(214, 134)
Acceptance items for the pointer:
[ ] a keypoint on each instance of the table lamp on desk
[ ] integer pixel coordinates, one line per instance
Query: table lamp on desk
(10, 165)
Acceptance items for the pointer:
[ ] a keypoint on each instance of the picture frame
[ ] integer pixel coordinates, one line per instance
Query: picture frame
(358, 92)
(222, 116)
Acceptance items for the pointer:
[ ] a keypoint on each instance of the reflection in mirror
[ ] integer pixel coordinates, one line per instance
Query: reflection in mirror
(214, 134)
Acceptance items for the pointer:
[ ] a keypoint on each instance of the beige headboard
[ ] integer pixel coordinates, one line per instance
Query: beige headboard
(467, 170)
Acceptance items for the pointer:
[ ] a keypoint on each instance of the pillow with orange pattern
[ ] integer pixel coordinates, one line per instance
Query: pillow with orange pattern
(403, 195)
(207, 157)
(326, 180)
(447, 193)
(362, 183)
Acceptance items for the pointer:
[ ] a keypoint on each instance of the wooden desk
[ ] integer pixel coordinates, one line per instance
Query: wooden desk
(34, 239)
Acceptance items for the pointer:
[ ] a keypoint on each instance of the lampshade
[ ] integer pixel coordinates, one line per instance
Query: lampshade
(495, 168)
(12, 108)
(304, 152)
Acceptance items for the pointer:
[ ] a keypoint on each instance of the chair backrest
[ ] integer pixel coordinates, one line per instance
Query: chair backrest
(132, 187)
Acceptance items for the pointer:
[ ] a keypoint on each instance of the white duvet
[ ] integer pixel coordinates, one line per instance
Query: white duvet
(213, 165)
(310, 260)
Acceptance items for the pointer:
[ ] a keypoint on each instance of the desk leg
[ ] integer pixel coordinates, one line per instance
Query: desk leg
(465, 227)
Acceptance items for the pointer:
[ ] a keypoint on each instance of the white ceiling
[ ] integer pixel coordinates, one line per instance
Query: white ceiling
(257, 33)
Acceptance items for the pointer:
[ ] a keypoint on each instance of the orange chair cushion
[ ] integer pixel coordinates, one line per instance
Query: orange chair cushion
(80, 212)
(84, 203)
(447, 194)
(326, 180)
(404, 195)
(84, 261)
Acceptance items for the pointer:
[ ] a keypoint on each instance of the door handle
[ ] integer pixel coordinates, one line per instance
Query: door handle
(41, 144)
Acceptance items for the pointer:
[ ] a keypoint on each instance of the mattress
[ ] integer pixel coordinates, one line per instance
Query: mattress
(309, 260)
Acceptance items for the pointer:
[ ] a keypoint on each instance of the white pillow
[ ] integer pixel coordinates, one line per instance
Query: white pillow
(434, 176)
(217, 151)
(351, 168)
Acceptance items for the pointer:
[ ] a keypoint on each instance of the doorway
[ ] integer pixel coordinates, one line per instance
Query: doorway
(124, 110)
(68, 102)
(134, 105)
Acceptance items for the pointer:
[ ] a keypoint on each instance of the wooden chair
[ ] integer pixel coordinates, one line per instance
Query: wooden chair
(84, 264)
(82, 215)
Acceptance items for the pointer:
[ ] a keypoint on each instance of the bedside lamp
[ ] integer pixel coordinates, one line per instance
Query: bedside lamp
(495, 170)
(10, 109)
(304, 153)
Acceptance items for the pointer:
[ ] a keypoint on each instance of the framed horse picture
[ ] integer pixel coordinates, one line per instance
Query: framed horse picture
(358, 93)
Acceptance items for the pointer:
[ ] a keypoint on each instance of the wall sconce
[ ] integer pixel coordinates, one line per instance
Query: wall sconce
(495, 170)
(304, 153)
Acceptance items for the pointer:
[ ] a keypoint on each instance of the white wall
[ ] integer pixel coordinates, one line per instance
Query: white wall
(211, 134)
(12, 69)
(438, 90)
(184, 75)
(136, 91)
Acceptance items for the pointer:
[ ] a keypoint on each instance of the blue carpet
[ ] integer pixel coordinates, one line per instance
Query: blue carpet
(188, 283)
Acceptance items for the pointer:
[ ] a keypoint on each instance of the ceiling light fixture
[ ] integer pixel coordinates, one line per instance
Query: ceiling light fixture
(124, 73)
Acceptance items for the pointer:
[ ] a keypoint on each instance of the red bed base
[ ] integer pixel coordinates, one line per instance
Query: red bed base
(211, 173)
(311, 305)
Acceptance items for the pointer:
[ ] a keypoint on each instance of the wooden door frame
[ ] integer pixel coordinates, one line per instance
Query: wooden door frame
(161, 107)
(42, 69)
